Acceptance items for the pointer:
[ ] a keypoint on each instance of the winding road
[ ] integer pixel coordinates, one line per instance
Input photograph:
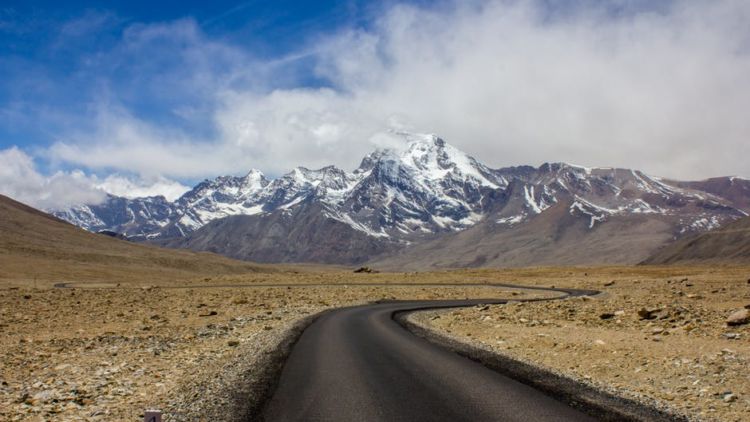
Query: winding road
(359, 364)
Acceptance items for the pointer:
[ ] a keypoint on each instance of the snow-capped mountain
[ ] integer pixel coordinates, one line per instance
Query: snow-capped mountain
(412, 193)
(218, 198)
(131, 217)
(601, 193)
(426, 186)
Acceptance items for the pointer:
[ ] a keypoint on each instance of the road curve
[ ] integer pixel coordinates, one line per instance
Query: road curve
(359, 364)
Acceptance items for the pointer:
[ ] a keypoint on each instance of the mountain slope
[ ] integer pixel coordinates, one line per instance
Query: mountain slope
(728, 244)
(132, 217)
(555, 237)
(733, 189)
(302, 234)
(35, 245)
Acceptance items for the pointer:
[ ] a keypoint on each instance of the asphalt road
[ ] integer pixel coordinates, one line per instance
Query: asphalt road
(358, 364)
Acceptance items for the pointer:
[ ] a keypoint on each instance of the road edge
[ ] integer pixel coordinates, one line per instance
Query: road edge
(593, 400)
(240, 391)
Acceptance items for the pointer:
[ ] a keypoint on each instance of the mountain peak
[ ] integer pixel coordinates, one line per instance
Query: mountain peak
(255, 174)
(396, 142)
(304, 174)
(425, 156)
(424, 139)
(255, 179)
(558, 166)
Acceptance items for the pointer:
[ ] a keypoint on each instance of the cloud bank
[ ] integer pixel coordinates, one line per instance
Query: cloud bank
(597, 83)
(130, 187)
(21, 180)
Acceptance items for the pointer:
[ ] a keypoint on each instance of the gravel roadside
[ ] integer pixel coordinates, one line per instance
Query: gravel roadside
(665, 342)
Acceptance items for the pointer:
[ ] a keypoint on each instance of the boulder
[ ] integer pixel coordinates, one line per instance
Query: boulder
(648, 313)
(739, 317)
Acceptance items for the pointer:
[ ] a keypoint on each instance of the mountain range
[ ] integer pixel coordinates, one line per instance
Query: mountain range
(426, 204)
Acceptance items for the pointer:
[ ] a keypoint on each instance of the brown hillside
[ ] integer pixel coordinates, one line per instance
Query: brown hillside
(552, 238)
(729, 244)
(304, 234)
(35, 246)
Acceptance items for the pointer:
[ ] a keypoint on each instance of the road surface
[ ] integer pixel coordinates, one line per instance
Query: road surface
(358, 364)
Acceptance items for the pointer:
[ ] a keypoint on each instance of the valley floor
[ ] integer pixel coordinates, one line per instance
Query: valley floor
(106, 352)
(109, 353)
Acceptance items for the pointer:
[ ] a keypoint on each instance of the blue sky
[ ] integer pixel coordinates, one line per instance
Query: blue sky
(150, 97)
(58, 58)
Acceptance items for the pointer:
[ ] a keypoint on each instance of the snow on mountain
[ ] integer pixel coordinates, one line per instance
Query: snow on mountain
(219, 198)
(428, 186)
(423, 187)
(598, 194)
(135, 217)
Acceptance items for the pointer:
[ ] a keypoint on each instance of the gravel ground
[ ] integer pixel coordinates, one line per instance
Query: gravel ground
(659, 341)
(109, 354)
(101, 355)
(236, 391)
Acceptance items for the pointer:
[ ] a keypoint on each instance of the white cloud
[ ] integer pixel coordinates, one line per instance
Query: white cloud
(664, 92)
(20, 180)
(509, 82)
(122, 186)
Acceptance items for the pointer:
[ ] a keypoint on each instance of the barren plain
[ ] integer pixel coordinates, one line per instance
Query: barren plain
(107, 351)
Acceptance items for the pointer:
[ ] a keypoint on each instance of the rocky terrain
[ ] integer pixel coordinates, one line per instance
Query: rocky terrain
(427, 204)
(109, 353)
(678, 337)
